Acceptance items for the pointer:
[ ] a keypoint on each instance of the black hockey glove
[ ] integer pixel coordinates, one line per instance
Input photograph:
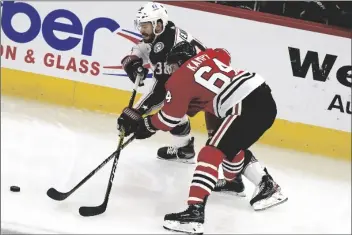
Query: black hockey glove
(129, 120)
(145, 129)
(133, 66)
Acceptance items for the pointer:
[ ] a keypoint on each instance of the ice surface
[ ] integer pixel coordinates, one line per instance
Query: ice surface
(45, 146)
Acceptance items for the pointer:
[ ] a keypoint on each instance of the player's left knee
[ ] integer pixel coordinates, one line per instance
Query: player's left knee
(182, 129)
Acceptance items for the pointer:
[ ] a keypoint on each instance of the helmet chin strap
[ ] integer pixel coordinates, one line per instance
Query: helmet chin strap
(154, 24)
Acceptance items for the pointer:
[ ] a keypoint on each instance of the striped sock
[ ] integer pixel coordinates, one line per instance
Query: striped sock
(205, 175)
(233, 168)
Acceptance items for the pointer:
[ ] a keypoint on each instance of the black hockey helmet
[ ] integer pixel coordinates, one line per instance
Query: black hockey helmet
(180, 53)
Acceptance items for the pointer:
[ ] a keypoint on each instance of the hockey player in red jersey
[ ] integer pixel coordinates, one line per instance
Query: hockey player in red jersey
(242, 100)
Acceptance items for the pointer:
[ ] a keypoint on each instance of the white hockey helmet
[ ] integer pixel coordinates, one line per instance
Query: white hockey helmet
(151, 12)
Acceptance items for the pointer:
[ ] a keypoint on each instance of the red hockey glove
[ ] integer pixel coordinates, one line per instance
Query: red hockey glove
(145, 129)
(133, 66)
(212, 123)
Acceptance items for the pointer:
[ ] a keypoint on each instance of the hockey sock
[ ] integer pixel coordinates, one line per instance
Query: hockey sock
(182, 133)
(181, 141)
(205, 175)
(253, 171)
(233, 168)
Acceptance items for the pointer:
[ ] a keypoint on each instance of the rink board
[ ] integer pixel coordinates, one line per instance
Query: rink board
(298, 136)
(79, 66)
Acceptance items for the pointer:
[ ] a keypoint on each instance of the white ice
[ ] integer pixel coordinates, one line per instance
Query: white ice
(45, 146)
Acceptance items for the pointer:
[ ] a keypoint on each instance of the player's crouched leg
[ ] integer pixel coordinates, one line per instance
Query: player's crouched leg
(237, 134)
(183, 149)
(204, 179)
(235, 185)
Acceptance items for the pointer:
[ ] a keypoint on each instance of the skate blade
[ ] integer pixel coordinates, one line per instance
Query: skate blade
(189, 228)
(187, 161)
(232, 193)
(273, 201)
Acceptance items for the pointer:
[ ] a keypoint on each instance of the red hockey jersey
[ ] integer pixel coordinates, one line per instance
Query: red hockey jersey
(208, 83)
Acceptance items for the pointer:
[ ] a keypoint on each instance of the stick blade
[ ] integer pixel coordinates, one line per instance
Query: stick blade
(92, 211)
(56, 195)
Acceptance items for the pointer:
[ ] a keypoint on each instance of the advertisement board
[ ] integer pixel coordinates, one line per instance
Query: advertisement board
(310, 73)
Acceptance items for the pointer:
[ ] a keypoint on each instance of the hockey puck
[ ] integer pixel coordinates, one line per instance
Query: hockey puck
(15, 188)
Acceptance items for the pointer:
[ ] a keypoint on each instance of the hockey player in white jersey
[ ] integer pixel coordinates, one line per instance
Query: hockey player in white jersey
(159, 36)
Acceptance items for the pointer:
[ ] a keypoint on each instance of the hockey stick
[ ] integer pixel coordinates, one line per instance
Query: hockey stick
(60, 196)
(97, 210)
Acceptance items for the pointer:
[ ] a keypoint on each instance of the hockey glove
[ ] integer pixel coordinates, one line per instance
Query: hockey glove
(129, 120)
(133, 66)
(145, 129)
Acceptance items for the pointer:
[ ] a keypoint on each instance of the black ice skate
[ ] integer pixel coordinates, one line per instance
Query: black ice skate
(183, 154)
(234, 187)
(267, 194)
(189, 221)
